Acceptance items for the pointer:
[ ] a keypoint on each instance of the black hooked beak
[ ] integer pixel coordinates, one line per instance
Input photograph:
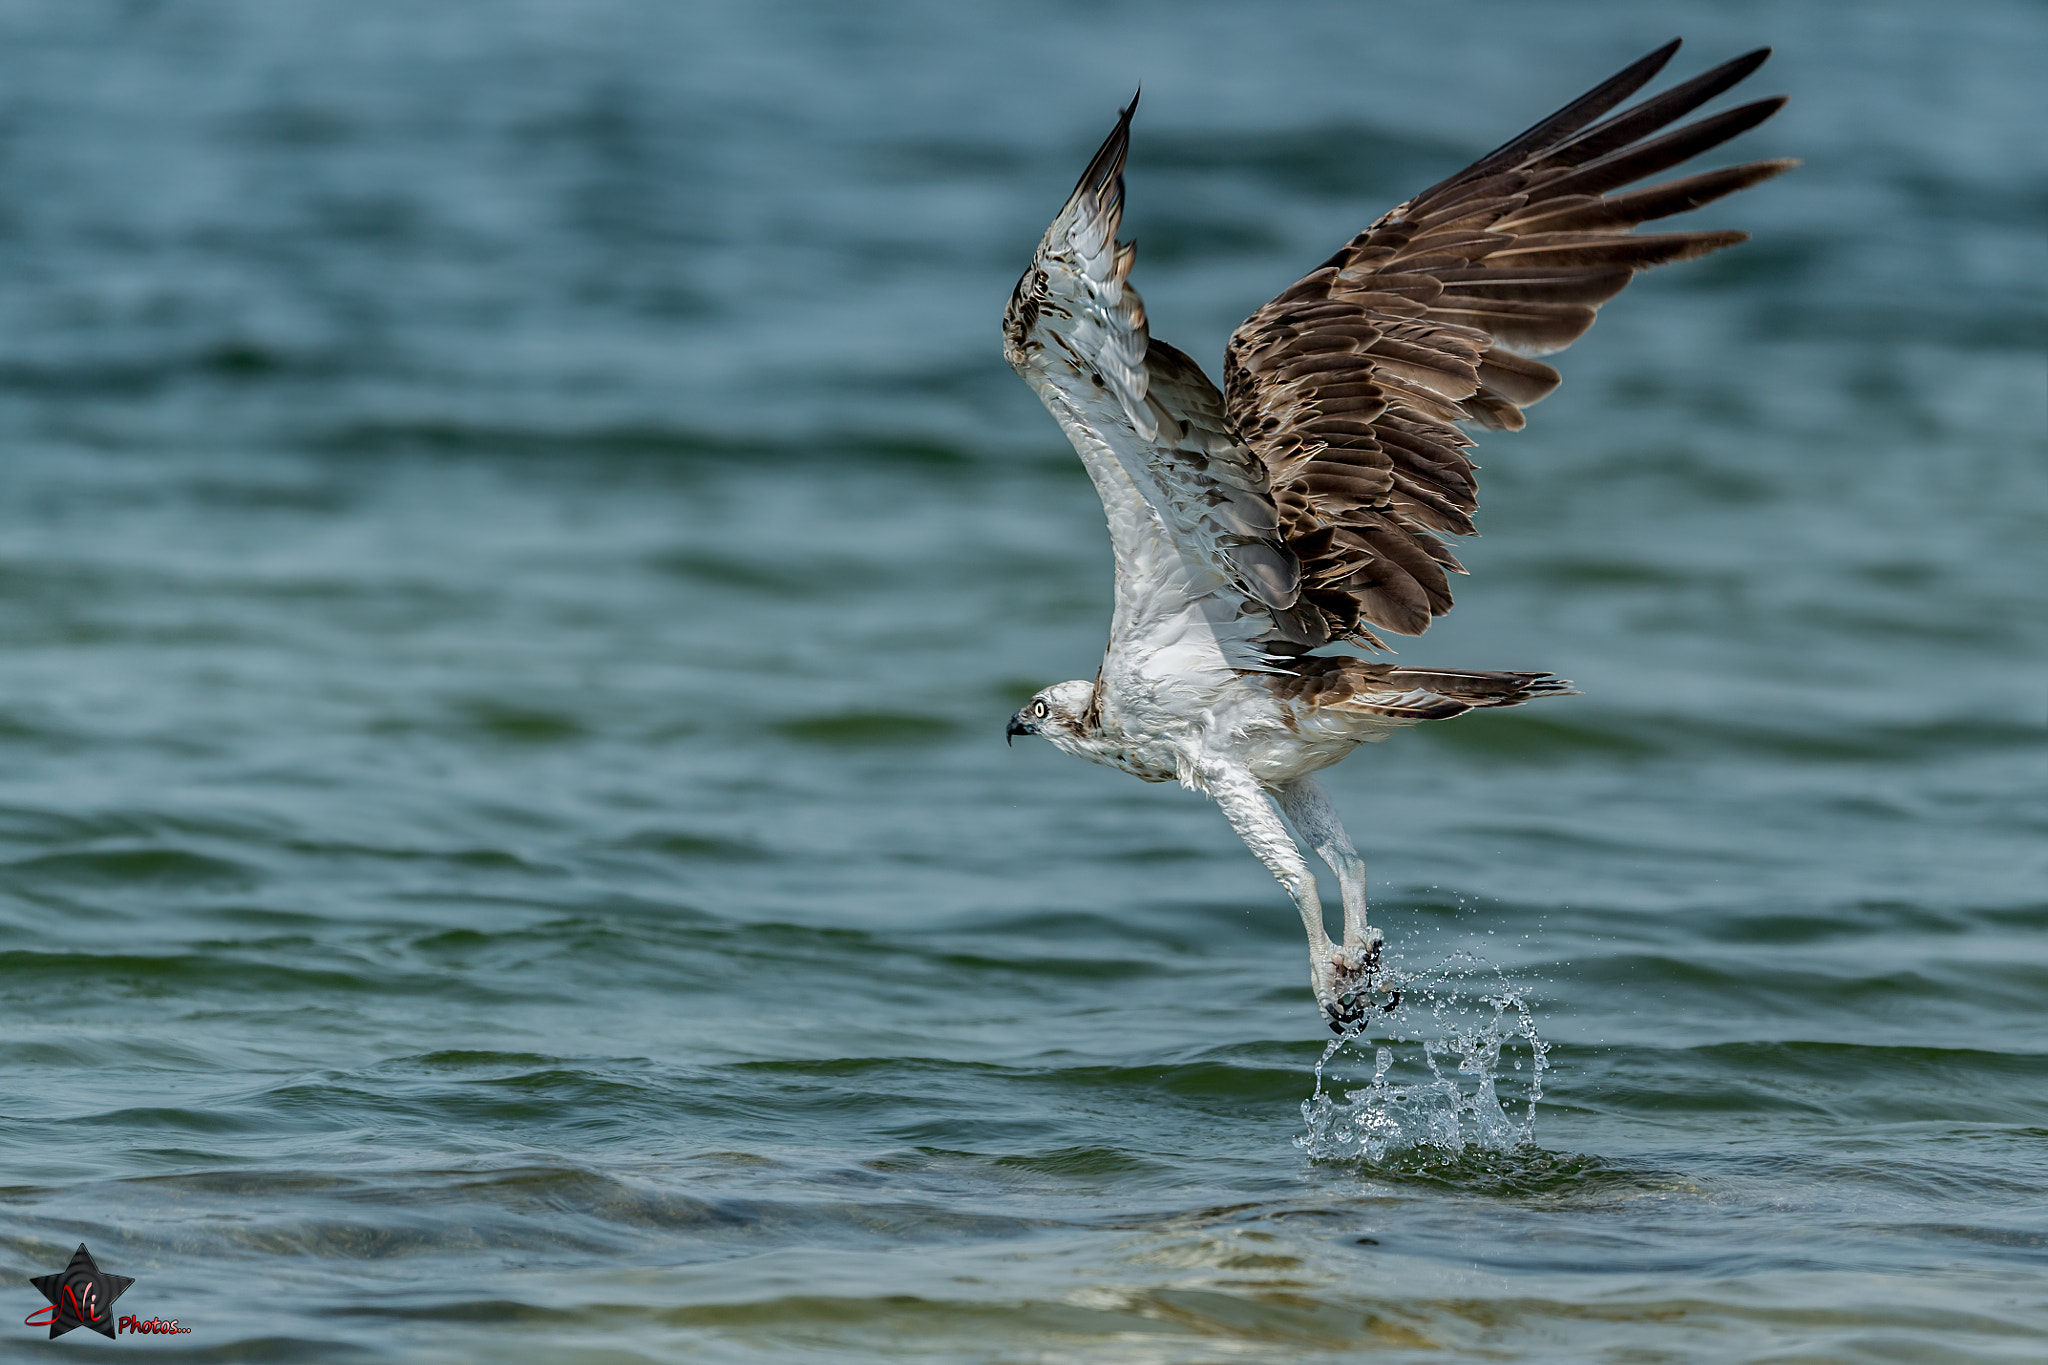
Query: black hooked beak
(1017, 726)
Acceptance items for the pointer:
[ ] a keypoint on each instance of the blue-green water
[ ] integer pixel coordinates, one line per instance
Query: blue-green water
(517, 545)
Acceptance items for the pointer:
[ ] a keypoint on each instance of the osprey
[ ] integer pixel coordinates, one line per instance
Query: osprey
(1305, 504)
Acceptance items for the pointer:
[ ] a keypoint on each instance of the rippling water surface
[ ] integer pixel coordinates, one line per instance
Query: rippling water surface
(516, 548)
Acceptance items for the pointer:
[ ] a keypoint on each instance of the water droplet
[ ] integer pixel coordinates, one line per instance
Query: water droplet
(1473, 1014)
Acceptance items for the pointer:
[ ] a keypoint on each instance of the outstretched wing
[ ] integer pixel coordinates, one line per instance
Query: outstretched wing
(1349, 385)
(1203, 581)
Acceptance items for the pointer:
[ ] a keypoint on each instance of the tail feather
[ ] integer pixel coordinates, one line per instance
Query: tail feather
(1478, 688)
(1363, 688)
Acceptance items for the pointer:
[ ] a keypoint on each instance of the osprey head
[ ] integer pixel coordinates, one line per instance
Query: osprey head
(1059, 714)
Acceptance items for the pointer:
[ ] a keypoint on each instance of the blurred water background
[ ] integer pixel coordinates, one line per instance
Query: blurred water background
(517, 545)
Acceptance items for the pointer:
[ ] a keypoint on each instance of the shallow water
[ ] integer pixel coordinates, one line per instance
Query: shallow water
(516, 548)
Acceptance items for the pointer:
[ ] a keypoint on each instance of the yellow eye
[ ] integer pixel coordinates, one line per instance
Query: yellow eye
(1040, 710)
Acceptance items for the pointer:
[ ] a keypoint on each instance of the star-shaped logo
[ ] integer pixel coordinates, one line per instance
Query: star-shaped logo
(82, 1295)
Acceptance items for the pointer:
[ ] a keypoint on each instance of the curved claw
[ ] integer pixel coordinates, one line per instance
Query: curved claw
(1349, 1002)
(1351, 1011)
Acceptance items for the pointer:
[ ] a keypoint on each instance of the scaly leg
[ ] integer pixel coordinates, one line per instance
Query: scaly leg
(1312, 815)
(1246, 805)
(1358, 961)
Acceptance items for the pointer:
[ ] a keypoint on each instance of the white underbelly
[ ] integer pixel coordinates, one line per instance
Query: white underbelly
(1280, 742)
(1294, 756)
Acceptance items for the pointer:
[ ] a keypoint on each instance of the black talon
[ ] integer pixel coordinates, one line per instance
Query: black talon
(1349, 1010)
(1345, 1017)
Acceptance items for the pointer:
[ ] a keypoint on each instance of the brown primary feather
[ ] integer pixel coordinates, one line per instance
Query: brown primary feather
(1585, 213)
(1566, 121)
(1633, 163)
(1349, 385)
(1656, 112)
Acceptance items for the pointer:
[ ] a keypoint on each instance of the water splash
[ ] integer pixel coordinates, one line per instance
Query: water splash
(1463, 1010)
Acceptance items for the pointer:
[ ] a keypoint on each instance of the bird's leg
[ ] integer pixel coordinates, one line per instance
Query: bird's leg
(1357, 963)
(1310, 811)
(1251, 814)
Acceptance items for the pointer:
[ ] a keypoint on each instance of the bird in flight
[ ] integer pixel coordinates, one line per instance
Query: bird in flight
(1307, 503)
